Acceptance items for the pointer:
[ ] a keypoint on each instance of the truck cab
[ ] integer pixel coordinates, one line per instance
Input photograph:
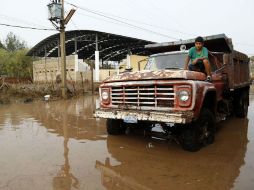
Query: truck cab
(181, 101)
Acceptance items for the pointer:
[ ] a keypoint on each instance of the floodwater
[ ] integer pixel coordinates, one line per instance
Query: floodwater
(60, 146)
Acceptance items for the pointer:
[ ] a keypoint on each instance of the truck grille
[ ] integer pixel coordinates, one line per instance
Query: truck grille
(154, 96)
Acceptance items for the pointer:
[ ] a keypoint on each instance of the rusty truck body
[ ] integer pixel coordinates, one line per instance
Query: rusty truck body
(181, 101)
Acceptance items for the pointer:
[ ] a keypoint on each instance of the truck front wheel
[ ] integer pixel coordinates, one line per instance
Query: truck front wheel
(199, 133)
(115, 127)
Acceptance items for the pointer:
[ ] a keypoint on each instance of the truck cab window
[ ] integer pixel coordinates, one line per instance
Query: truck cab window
(166, 61)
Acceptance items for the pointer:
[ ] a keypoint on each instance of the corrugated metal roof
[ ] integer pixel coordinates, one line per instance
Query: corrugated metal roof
(112, 46)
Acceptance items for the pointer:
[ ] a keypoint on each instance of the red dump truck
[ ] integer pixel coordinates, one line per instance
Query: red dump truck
(185, 105)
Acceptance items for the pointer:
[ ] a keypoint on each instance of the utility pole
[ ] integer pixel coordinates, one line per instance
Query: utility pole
(63, 53)
(56, 16)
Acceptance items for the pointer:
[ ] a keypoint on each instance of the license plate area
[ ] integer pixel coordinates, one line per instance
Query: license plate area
(130, 119)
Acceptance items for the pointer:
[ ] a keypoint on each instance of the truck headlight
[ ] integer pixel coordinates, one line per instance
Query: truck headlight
(105, 95)
(184, 95)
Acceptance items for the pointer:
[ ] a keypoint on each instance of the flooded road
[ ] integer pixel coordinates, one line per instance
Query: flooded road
(60, 146)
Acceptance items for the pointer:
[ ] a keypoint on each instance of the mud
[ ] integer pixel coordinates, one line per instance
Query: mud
(60, 146)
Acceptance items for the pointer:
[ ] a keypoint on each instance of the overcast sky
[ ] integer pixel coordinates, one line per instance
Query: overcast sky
(180, 19)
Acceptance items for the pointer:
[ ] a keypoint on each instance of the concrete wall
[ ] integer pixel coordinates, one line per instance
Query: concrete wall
(105, 73)
(46, 70)
(134, 59)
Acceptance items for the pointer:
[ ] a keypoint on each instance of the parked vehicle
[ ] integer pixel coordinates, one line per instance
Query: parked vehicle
(181, 101)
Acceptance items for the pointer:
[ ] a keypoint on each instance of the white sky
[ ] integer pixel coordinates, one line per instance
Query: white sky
(194, 17)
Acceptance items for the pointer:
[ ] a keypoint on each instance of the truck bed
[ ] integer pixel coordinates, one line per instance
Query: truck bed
(237, 69)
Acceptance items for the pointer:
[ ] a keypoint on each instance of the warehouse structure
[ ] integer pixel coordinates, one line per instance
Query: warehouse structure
(84, 47)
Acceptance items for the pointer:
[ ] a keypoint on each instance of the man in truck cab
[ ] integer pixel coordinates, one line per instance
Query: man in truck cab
(198, 55)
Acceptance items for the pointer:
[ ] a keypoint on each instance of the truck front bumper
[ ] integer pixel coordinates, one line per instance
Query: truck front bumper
(155, 116)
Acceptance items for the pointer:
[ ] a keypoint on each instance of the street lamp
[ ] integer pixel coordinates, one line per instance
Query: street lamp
(57, 18)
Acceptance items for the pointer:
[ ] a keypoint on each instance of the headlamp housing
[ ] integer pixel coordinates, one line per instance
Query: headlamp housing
(184, 95)
(105, 95)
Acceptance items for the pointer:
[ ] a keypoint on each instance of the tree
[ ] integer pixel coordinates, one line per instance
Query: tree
(1, 45)
(252, 58)
(3, 59)
(16, 64)
(13, 43)
(13, 59)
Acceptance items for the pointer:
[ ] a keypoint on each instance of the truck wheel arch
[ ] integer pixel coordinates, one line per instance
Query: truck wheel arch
(208, 100)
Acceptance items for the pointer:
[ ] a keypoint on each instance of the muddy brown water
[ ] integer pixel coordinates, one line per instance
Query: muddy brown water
(60, 146)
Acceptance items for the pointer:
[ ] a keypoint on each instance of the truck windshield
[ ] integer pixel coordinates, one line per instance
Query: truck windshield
(167, 61)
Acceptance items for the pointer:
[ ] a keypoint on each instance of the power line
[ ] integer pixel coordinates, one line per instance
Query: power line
(133, 20)
(18, 20)
(154, 5)
(97, 18)
(120, 21)
(147, 24)
(27, 27)
(103, 14)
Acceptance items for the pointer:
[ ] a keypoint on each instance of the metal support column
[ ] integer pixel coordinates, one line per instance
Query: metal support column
(45, 64)
(76, 45)
(128, 59)
(97, 61)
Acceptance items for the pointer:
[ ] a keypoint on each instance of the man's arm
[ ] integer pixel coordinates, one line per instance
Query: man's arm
(205, 55)
(187, 60)
(198, 59)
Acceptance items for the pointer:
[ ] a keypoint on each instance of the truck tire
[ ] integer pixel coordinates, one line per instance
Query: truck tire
(114, 127)
(200, 133)
(242, 104)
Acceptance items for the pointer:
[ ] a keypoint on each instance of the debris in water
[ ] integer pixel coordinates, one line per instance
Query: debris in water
(46, 97)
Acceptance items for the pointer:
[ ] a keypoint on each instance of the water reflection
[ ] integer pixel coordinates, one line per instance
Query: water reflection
(12, 120)
(59, 145)
(214, 167)
(33, 137)
(65, 180)
(246, 177)
(77, 115)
